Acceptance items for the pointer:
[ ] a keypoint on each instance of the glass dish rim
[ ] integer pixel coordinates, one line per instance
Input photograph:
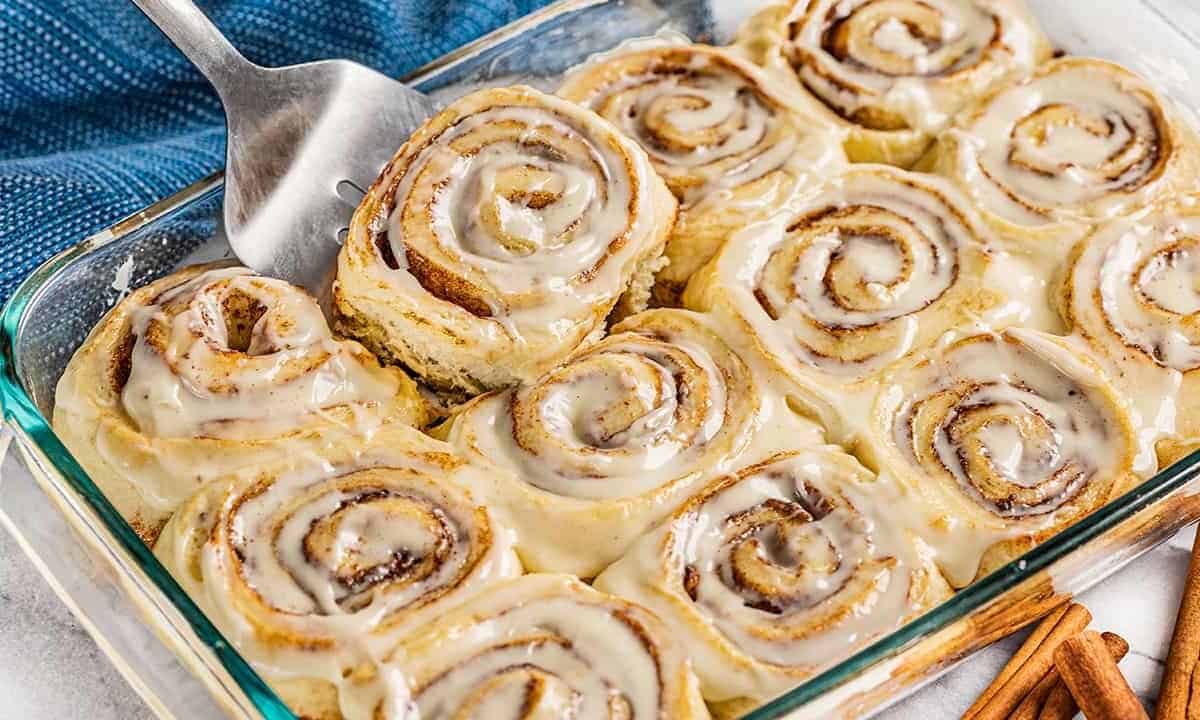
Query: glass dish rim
(19, 408)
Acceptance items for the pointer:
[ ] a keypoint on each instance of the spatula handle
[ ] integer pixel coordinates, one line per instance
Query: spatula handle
(200, 40)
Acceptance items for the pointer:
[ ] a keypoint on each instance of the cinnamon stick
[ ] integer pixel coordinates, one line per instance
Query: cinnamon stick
(1019, 658)
(1177, 700)
(1029, 665)
(1088, 670)
(1051, 700)
(1031, 707)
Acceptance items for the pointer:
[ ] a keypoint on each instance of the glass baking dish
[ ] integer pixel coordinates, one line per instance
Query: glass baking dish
(177, 660)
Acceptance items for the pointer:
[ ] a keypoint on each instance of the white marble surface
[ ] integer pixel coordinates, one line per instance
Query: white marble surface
(49, 666)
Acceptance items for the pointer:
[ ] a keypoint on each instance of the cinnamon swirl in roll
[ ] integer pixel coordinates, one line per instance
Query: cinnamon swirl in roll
(1079, 142)
(210, 370)
(894, 72)
(500, 238)
(872, 265)
(541, 646)
(1006, 439)
(313, 569)
(1130, 291)
(728, 145)
(611, 441)
(780, 569)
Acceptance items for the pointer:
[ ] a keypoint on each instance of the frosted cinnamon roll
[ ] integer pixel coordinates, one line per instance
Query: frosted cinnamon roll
(499, 238)
(312, 569)
(1005, 439)
(893, 72)
(780, 569)
(1080, 141)
(1131, 292)
(611, 441)
(209, 370)
(728, 145)
(870, 266)
(542, 646)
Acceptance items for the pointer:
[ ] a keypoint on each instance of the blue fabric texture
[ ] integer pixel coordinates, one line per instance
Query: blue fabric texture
(100, 115)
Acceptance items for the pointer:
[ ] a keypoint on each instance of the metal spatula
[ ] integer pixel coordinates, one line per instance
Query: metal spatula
(304, 142)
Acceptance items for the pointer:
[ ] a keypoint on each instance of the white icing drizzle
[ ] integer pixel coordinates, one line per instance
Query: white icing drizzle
(1131, 293)
(520, 247)
(1023, 286)
(906, 65)
(312, 569)
(1006, 436)
(618, 421)
(858, 273)
(625, 417)
(780, 570)
(1146, 274)
(615, 438)
(707, 119)
(1082, 139)
(500, 238)
(872, 251)
(546, 646)
(540, 206)
(186, 380)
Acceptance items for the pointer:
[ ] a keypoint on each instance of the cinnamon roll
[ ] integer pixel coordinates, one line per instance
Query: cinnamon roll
(1005, 439)
(728, 145)
(611, 441)
(1079, 142)
(1130, 291)
(893, 72)
(541, 646)
(209, 370)
(869, 267)
(780, 569)
(313, 569)
(500, 238)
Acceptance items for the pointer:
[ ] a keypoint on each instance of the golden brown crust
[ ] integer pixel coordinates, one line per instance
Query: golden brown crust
(779, 569)
(499, 239)
(145, 473)
(730, 147)
(305, 567)
(1126, 290)
(1041, 192)
(943, 423)
(546, 646)
(865, 269)
(842, 58)
(610, 441)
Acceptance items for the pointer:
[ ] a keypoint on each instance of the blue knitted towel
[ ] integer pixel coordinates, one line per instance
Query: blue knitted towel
(100, 115)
